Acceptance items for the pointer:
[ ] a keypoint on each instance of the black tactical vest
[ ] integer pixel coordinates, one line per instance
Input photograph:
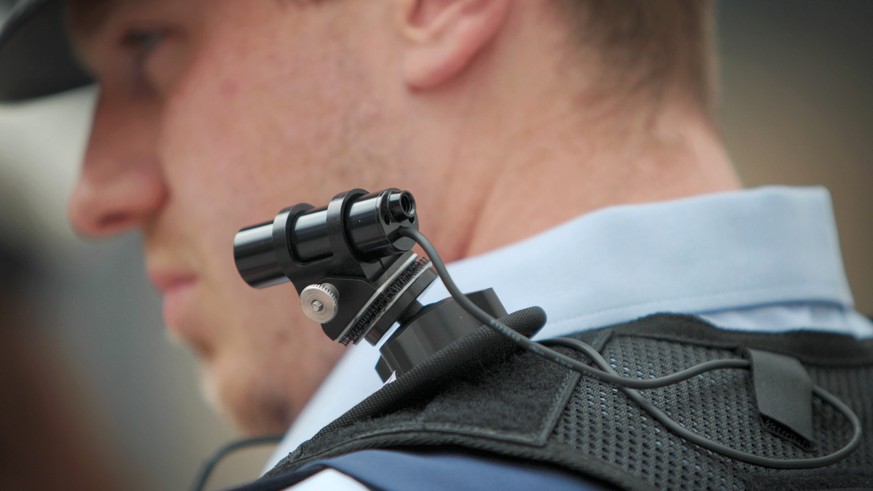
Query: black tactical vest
(482, 395)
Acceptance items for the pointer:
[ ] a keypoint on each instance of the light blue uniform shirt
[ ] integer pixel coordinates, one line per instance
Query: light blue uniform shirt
(766, 260)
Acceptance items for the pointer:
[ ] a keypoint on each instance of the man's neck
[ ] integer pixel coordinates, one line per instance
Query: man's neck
(522, 143)
(562, 175)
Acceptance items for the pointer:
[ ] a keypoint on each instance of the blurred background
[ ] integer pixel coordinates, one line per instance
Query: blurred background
(82, 329)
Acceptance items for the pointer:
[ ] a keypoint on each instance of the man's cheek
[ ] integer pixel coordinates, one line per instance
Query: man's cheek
(199, 152)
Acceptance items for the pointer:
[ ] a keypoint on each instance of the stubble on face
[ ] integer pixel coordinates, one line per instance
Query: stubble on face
(267, 108)
(259, 124)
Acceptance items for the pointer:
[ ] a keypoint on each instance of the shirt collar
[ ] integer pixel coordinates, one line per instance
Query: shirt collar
(704, 254)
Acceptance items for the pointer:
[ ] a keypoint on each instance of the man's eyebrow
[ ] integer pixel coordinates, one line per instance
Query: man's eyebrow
(87, 17)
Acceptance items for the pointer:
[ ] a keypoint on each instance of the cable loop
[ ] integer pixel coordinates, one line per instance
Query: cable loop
(628, 385)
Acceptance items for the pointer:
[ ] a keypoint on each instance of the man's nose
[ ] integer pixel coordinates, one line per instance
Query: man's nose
(121, 185)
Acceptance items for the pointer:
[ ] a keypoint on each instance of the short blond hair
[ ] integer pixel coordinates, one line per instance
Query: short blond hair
(651, 47)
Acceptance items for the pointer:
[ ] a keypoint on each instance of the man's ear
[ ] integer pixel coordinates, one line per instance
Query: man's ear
(444, 36)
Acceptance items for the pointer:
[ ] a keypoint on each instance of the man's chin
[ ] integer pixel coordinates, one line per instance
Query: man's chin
(199, 347)
(247, 403)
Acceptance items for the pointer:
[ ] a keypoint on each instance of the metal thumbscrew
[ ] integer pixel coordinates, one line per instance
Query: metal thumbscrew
(320, 302)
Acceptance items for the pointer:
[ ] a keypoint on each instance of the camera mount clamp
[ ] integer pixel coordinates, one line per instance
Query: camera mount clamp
(356, 275)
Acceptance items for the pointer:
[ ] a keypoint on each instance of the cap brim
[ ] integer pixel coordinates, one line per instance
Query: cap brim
(35, 54)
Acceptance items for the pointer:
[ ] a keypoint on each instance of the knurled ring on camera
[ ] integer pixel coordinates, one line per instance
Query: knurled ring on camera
(320, 302)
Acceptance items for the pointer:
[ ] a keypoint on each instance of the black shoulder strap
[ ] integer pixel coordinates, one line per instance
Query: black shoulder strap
(517, 405)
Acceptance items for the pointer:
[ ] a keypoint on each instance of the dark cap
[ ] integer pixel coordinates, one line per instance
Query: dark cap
(35, 54)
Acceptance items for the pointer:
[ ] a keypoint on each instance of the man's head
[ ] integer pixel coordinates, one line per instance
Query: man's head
(214, 114)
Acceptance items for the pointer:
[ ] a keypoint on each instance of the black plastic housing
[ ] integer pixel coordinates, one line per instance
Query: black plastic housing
(351, 243)
(354, 228)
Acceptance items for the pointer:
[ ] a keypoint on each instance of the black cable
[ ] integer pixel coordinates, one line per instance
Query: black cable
(713, 445)
(208, 466)
(608, 375)
(553, 355)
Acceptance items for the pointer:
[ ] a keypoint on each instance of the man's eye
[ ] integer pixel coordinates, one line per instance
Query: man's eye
(140, 45)
(143, 42)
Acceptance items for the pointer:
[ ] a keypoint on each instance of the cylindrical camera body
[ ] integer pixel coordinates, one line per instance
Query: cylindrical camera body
(255, 256)
(355, 227)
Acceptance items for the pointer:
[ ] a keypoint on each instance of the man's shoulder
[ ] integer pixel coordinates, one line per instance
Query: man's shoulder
(520, 407)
